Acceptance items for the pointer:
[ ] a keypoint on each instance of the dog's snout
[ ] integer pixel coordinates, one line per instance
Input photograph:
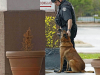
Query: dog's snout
(65, 35)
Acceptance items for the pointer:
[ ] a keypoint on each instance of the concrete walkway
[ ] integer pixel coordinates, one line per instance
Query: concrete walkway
(88, 68)
(88, 24)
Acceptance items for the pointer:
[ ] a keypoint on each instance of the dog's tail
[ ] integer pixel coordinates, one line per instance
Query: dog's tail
(83, 71)
(89, 71)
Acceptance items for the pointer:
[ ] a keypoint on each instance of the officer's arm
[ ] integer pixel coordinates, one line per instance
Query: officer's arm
(67, 16)
(69, 23)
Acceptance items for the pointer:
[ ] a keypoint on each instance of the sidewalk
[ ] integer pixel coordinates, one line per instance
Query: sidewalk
(88, 50)
(88, 34)
(87, 24)
(88, 68)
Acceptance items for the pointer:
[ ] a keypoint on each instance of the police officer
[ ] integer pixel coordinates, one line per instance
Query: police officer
(65, 18)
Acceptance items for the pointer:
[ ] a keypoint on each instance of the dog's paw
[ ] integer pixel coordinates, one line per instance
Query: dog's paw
(59, 71)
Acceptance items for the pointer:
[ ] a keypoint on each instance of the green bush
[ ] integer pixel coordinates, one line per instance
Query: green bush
(50, 31)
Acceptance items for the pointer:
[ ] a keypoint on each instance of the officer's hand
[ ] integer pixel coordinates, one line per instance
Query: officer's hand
(68, 32)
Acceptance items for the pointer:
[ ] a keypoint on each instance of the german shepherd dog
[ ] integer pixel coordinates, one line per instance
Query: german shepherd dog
(70, 54)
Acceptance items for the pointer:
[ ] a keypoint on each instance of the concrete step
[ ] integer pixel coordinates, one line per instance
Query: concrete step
(87, 61)
(87, 68)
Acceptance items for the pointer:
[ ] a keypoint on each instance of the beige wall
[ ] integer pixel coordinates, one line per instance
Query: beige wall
(2, 49)
(13, 24)
(23, 4)
(19, 5)
(16, 24)
(3, 5)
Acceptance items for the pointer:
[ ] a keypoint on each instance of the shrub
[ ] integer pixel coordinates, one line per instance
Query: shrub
(50, 32)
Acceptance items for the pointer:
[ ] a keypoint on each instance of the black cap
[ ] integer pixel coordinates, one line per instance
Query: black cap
(53, 1)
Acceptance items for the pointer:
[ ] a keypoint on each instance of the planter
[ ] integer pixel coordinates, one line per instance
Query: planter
(25, 62)
(96, 64)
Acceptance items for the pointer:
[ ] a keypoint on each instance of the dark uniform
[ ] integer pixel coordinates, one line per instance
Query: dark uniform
(64, 13)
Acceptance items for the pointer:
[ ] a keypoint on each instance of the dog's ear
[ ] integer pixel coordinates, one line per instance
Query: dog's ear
(65, 35)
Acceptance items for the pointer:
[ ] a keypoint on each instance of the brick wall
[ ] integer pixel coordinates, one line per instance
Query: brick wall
(16, 24)
(11, 27)
(2, 50)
